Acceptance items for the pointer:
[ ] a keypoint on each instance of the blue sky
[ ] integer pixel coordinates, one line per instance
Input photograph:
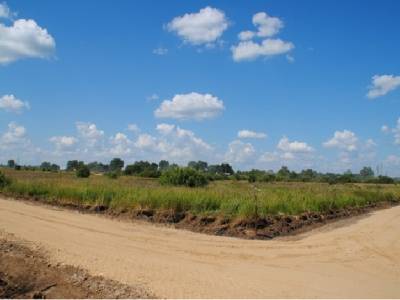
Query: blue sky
(313, 84)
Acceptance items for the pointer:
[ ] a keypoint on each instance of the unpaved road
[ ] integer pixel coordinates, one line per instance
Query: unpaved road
(357, 258)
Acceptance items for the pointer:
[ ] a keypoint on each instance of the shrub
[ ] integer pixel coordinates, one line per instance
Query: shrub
(83, 171)
(184, 176)
(112, 175)
(4, 181)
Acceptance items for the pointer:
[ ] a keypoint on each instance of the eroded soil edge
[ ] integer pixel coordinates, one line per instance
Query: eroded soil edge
(25, 272)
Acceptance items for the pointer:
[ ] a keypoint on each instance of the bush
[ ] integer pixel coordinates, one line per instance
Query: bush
(83, 171)
(184, 176)
(112, 175)
(4, 181)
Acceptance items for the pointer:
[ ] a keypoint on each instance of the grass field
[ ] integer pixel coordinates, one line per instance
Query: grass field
(229, 198)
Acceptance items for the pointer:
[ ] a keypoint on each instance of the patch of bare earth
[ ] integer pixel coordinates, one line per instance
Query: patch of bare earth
(25, 272)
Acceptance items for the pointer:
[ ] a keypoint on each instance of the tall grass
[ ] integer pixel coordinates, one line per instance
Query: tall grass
(229, 198)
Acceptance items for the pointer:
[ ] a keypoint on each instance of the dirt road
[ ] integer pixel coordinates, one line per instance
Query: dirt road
(352, 258)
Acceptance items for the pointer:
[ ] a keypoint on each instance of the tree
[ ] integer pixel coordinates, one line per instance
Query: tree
(49, 167)
(142, 168)
(98, 167)
(163, 165)
(45, 166)
(72, 165)
(283, 173)
(82, 171)
(227, 169)
(11, 163)
(198, 165)
(366, 172)
(116, 164)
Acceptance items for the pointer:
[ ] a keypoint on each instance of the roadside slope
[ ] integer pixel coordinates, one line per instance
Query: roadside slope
(357, 260)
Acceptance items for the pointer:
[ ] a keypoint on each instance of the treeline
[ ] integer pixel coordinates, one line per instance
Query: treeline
(201, 172)
(366, 175)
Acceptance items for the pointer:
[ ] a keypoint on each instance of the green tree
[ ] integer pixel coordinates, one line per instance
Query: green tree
(82, 171)
(72, 165)
(163, 165)
(11, 163)
(366, 172)
(283, 173)
(116, 164)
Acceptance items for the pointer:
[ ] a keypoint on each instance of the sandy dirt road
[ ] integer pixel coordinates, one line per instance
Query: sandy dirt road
(351, 258)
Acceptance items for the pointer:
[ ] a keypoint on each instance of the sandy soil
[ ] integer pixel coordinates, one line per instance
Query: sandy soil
(25, 272)
(354, 258)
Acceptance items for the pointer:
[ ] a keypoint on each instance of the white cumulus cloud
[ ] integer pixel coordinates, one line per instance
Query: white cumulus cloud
(24, 39)
(383, 84)
(5, 12)
(250, 50)
(203, 27)
(248, 134)
(267, 26)
(134, 128)
(12, 104)
(89, 132)
(64, 142)
(293, 147)
(346, 140)
(16, 134)
(190, 106)
(239, 152)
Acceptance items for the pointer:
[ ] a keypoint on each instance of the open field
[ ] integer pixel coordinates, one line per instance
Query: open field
(229, 198)
(228, 207)
(352, 258)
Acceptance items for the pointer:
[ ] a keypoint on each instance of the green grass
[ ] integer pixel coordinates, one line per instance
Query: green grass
(228, 198)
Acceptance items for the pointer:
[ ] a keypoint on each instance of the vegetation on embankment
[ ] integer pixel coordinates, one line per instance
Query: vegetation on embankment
(230, 198)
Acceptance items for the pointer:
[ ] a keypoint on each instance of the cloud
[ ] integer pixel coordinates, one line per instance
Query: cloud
(383, 84)
(249, 50)
(134, 128)
(370, 143)
(160, 51)
(396, 132)
(153, 97)
(89, 132)
(5, 12)
(165, 129)
(120, 145)
(173, 143)
(239, 152)
(267, 26)
(248, 134)
(24, 39)
(393, 160)
(345, 140)
(16, 134)
(12, 104)
(385, 129)
(290, 58)
(63, 143)
(190, 106)
(293, 147)
(246, 35)
(204, 27)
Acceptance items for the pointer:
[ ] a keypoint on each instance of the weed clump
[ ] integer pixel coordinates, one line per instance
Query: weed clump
(4, 181)
(184, 177)
(83, 171)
